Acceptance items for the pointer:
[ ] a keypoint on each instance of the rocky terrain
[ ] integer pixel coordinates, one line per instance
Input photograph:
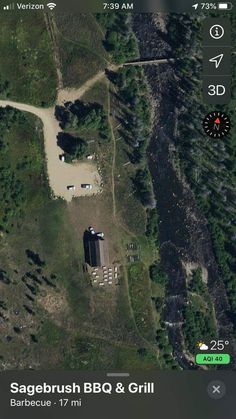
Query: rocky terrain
(184, 235)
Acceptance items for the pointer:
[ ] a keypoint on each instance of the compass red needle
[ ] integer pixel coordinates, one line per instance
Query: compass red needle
(216, 124)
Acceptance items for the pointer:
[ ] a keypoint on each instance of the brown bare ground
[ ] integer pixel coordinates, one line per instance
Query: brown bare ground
(60, 174)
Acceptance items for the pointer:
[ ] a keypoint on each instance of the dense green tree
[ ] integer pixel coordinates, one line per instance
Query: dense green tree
(157, 275)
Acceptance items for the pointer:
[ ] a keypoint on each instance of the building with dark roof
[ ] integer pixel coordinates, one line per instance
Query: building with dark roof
(96, 251)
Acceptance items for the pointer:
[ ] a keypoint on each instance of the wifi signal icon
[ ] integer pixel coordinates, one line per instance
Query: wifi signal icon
(51, 5)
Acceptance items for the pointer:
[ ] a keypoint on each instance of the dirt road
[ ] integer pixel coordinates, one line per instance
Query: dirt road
(60, 174)
(72, 94)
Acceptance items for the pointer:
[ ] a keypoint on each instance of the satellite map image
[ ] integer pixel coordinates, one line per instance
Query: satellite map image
(117, 191)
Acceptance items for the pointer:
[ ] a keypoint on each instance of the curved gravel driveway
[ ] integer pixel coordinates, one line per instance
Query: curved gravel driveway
(60, 174)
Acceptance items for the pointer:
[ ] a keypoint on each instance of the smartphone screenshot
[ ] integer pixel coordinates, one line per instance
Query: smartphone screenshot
(117, 209)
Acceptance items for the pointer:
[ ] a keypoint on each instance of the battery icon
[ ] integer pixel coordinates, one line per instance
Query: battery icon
(225, 6)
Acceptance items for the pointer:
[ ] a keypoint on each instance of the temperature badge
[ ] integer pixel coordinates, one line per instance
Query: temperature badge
(215, 352)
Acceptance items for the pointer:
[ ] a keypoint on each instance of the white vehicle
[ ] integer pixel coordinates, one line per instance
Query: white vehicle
(62, 157)
(91, 229)
(90, 157)
(101, 284)
(109, 282)
(71, 187)
(86, 186)
(100, 234)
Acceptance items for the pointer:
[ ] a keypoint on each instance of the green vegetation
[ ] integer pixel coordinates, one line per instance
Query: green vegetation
(81, 47)
(98, 93)
(83, 117)
(88, 120)
(74, 148)
(29, 250)
(4, 88)
(136, 126)
(152, 225)
(27, 72)
(157, 275)
(86, 354)
(78, 149)
(165, 350)
(159, 281)
(199, 320)
(197, 285)
(197, 324)
(147, 297)
(141, 302)
(134, 94)
(43, 285)
(51, 334)
(209, 165)
(143, 187)
(119, 41)
(127, 200)
(13, 171)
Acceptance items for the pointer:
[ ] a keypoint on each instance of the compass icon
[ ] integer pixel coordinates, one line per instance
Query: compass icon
(216, 124)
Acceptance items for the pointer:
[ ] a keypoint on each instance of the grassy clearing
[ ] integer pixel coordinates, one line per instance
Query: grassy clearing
(40, 227)
(98, 94)
(130, 210)
(78, 64)
(101, 217)
(50, 292)
(131, 218)
(87, 353)
(199, 314)
(27, 72)
(22, 168)
(52, 335)
(82, 29)
(139, 285)
(49, 297)
(81, 48)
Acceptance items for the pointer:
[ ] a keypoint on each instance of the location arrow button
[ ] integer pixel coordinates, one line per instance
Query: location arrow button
(216, 61)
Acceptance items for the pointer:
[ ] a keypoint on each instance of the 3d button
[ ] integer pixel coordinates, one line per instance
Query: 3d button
(216, 90)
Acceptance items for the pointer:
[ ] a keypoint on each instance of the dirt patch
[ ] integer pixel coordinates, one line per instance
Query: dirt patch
(70, 95)
(192, 266)
(54, 303)
(98, 213)
(60, 173)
